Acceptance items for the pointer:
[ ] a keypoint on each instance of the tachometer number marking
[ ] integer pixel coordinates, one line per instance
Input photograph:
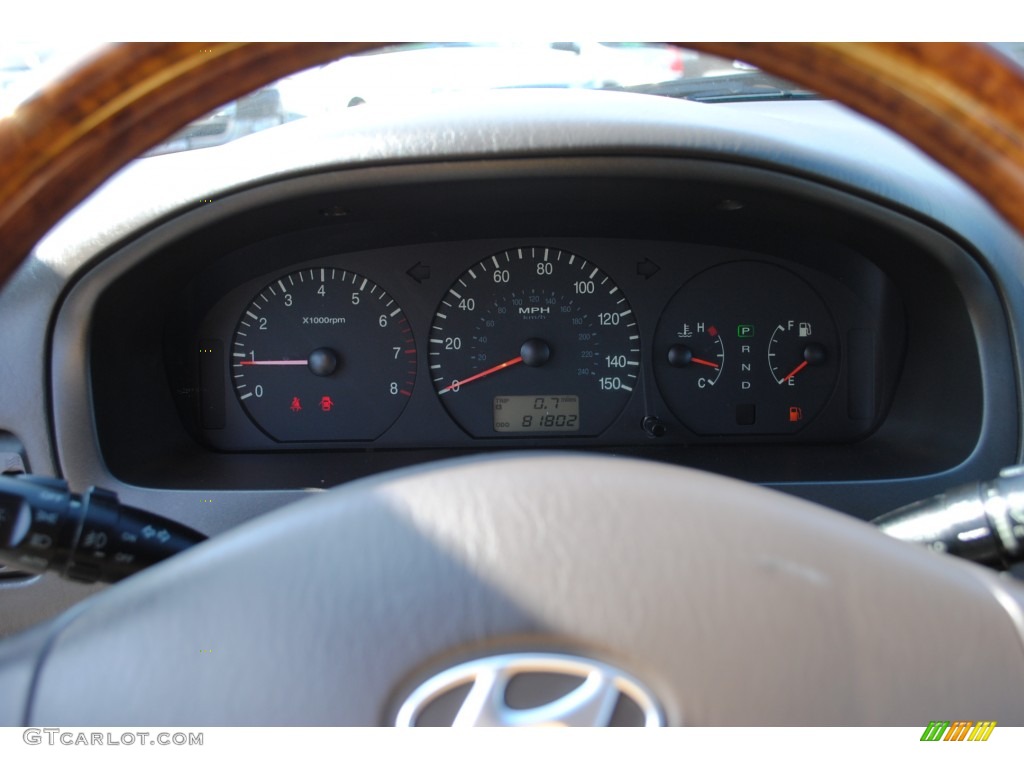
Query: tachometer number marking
(324, 364)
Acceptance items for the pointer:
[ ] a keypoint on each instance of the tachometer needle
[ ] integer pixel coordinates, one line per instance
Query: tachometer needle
(274, 362)
(794, 372)
(458, 383)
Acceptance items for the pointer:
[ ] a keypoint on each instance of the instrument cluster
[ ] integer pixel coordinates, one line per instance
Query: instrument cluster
(543, 341)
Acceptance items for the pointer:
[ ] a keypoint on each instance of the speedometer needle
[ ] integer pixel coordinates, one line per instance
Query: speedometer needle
(458, 383)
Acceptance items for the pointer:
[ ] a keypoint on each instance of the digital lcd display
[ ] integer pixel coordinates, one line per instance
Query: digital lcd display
(537, 413)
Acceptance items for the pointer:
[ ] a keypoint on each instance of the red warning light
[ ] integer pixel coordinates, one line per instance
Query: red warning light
(796, 414)
(326, 403)
(296, 405)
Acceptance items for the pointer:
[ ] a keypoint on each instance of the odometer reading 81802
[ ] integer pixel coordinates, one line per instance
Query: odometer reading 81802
(527, 322)
(544, 413)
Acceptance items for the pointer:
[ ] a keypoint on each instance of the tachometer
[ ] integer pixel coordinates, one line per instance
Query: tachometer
(323, 354)
(534, 341)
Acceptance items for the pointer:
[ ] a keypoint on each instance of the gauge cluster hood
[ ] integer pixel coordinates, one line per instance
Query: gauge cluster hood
(814, 142)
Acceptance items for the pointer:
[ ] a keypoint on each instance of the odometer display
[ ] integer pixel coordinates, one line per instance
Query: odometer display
(537, 413)
(528, 321)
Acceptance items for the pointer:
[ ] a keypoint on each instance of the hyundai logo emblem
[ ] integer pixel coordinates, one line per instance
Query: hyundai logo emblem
(531, 689)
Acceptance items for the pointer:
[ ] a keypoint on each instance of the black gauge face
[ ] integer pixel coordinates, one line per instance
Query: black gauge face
(746, 348)
(534, 341)
(323, 354)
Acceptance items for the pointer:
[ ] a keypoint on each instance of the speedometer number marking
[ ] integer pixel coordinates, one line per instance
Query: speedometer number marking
(527, 322)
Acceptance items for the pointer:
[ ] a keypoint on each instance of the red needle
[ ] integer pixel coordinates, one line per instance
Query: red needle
(698, 361)
(456, 384)
(795, 371)
(274, 362)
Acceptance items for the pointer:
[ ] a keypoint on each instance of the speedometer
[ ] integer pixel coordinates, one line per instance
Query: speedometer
(534, 341)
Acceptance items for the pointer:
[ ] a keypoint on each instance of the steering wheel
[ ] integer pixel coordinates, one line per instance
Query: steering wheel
(472, 590)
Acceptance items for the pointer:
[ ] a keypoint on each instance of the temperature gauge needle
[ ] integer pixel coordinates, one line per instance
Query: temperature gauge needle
(708, 363)
(795, 371)
(458, 383)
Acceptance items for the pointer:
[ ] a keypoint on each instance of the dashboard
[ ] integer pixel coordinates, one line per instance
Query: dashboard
(716, 287)
(692, 316)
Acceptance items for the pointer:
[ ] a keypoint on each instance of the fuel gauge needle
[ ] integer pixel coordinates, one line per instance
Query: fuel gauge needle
(795, 371)
(459, 382)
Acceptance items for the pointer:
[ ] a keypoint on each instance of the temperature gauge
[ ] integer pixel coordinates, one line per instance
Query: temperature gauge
(767, 365)
(700, 351)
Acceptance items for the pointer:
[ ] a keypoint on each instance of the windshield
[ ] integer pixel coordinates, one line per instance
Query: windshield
(404, 76)
(409, 75)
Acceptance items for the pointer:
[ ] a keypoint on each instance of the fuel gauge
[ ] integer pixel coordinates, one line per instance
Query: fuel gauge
(769, 362)
(791, 351)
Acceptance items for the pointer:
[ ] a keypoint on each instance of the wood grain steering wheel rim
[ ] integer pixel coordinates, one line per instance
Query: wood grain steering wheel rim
(370, 540)
(960, 102)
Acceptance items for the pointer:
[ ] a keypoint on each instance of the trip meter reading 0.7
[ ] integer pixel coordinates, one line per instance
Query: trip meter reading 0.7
(534, 340)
